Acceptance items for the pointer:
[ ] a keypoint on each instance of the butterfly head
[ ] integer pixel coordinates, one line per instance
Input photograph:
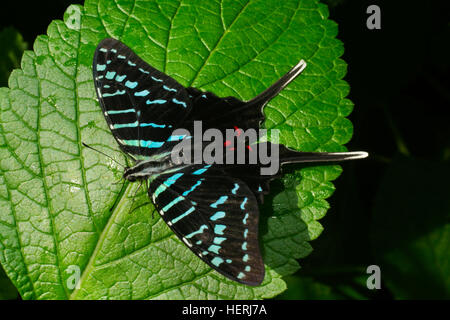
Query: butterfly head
(143, 170)
(128, 174)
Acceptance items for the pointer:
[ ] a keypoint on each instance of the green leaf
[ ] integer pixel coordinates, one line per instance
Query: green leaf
(411, 229)
(12, 47)
(62, 210)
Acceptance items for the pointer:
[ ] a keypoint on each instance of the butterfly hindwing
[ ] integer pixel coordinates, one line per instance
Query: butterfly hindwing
(142, 105)
(222, 113)
(216, 216)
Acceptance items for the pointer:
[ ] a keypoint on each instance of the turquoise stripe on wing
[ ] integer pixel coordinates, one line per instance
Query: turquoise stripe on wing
(144, 143)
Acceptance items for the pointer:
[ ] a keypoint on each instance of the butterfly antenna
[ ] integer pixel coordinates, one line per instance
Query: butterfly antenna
(265, 96)
(108, 156)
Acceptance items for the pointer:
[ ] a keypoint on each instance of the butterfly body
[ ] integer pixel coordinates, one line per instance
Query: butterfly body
(149, 169)
(211, 207)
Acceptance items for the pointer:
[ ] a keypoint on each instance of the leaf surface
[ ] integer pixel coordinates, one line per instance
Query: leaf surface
(63, 215)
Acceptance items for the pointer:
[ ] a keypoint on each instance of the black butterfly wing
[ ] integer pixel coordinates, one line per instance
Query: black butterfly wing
(230, 112)
(216, 216)
(142, 105)
(222, 113)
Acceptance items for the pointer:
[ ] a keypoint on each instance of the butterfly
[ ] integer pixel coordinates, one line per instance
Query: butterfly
(212, 208)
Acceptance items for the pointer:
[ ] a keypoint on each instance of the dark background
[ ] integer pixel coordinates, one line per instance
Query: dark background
(393, 209)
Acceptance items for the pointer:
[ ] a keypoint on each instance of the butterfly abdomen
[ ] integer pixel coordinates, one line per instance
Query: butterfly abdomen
(146, 169)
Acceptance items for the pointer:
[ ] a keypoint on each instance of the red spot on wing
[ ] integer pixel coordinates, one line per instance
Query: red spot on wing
(238, 130)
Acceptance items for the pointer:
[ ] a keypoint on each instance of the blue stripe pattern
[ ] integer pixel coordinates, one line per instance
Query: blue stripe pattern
(243, 203)
(153, 125)
(120, 111)
(200, 171)
(218, 229)
(217, 261)
(120, 78)
(166, 184)
(142, 93)
(158, 101)
(156, 79)
(199, 182)
(214, 248)
(221, 200)
(118, 92)
(181, 216)
(136, 124)
(151, 144)
(169, 89)
(219, 240)
(200, 230)
(125, 125)
(131, 84)
(179, 102)
(174, 202)
(217, 215)
(144, 143)
(176, 137)
(110, 75)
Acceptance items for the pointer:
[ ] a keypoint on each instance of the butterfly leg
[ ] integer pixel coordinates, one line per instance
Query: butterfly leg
(140, 206)
(147, 186)
(134, 198)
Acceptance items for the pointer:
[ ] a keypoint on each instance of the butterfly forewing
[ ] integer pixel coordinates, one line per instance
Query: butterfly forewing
(216, 216)
(142, 105)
